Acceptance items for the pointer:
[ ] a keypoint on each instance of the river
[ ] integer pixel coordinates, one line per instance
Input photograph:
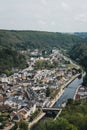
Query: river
(69, 92)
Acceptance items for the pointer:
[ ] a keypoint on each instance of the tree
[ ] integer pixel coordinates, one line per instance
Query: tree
(48, 92)
(85, 81)
(59, 124)
(23, 125)
(14, 127)
(41, 126)
(70, 101)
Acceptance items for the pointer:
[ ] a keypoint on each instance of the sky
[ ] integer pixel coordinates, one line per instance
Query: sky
(44, 15)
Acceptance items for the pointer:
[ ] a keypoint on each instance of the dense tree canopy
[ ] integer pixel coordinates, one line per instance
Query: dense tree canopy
(37, 39)
(11, 59)
(79, 54)
(22, 125)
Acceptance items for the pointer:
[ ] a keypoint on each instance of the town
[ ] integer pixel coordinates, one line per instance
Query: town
(26, 92)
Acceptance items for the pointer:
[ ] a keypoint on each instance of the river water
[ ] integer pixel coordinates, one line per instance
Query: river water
(69, 92)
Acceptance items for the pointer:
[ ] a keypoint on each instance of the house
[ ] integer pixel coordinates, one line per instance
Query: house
(12, 114)
(10, 103)
(4, 108)
(3, 78)
(1, 97)
(33, 108)
(1, 90)
(24, 113)
(23, 76)
(17, 118)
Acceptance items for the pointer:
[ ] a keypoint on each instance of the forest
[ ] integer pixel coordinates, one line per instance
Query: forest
(10, 59)
(38, 39)
(79, 54)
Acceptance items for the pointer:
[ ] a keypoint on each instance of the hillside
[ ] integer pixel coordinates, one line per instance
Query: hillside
(79, 54)
(12, 41)
(81, 34)
(11, 59)
(37, 39)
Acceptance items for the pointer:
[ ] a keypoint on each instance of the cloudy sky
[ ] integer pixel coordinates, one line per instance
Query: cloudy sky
(46, 15)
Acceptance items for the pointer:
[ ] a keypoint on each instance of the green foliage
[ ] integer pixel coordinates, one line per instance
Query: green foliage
(43, 64)
(79, 53)
(47, 92)
(23, 125)
(14, 127)
(34, 114)
(10, 58)
(76, 114)
(37, 39)
(85, 81)
(3, 118)
(70, 101)
(59, 124)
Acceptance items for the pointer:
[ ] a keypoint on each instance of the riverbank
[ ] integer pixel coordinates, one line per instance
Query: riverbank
(42, 114)
(53, 101)
(76, 92)
(62, 89)
(67, 83)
